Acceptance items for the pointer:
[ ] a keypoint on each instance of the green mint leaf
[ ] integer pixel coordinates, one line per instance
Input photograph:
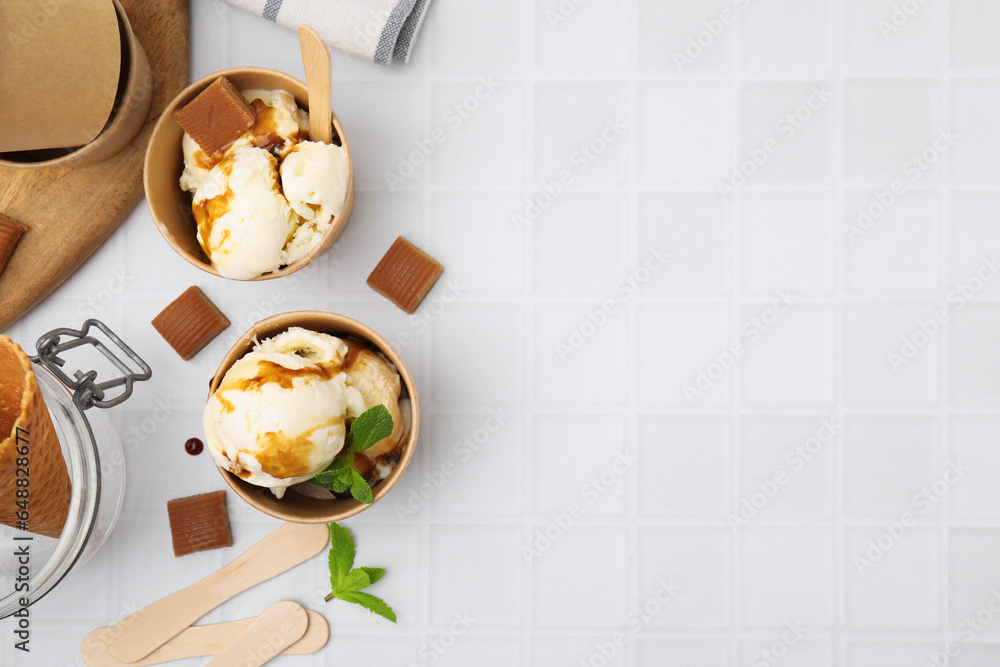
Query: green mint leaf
(328, 477)
(346, 581)
(341, 556)
(344, 480)
(355, 580)
(371, 603)
(341, 462)
(360, 489)
(374, 574)
(325, 478)
(372, 425)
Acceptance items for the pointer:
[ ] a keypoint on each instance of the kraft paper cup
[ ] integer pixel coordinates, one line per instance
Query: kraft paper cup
(170, 206)
(127, 116)
(293, 506)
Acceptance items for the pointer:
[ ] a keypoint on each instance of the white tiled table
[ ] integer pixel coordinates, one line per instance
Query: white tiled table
(768, 490)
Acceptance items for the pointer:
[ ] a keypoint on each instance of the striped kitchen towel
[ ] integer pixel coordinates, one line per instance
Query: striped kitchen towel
(379, 30)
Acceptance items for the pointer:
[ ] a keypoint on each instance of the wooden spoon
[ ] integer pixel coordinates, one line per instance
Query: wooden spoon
(316, 60)
(281, 625)
(143, 632)
(198, 640)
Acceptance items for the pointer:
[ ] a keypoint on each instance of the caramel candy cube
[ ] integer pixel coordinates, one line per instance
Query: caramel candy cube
(10, 234)
(218, 116)
(405, 275)
(199, 523)
(190, 323)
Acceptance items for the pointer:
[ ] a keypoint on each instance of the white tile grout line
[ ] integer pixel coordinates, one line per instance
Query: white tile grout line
(631, 331)
(424, 526)
(679, 186)
(818, 410)
(669, 521)
(719, 410)
(735, 220)
(758, 298)
(944, 279)
(835, 475)
(791, 77)
(530, 335)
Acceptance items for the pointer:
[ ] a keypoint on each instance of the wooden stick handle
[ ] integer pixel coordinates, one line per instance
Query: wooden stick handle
(281, 625)
(316, 61)
(140, 634)
(199, 640)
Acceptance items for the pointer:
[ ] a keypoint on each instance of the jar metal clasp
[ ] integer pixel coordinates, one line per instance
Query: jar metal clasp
(87, 390)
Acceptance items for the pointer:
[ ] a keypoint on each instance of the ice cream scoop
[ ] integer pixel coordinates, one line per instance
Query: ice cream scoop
(243, 219)
(279, 415)
(280, 123)
(314, 180)
(378, 383)
(196, 164)
(309, 189)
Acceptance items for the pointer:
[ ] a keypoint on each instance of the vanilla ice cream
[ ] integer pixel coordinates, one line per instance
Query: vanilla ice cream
(280, 414)
(196, 164)
(314, 180)
(243, 219)
(311, 183)
(378, 383)
(279, 124)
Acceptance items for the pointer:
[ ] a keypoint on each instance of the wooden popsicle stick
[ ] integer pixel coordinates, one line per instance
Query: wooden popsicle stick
(143, 632)
(199, 640)
(281, 625)
(316, 61)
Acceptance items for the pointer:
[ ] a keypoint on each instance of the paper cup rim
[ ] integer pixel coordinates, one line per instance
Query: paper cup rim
(260, 498)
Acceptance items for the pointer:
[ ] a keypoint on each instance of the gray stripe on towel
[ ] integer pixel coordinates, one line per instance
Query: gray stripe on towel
(401, 52)
(271, 9)
(387, 41)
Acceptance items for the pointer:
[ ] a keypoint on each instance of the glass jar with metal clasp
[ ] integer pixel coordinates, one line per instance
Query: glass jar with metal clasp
(93, 453)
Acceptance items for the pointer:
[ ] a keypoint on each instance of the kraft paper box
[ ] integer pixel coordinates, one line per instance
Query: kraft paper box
(60, 62)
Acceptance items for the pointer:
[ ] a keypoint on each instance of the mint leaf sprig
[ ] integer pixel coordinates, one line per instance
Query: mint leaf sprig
(347, 581)
(371, 426)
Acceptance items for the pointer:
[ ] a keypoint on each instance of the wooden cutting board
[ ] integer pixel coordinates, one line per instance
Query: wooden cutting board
(71, 212)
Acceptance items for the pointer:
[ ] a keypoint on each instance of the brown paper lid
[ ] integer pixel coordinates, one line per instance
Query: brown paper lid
(60, 61)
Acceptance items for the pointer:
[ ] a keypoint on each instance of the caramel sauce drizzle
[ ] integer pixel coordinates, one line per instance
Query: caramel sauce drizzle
(207, 211)
(265, 128)
(282, 456)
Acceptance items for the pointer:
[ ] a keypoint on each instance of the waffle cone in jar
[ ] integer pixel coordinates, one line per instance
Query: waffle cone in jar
(22, 410)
